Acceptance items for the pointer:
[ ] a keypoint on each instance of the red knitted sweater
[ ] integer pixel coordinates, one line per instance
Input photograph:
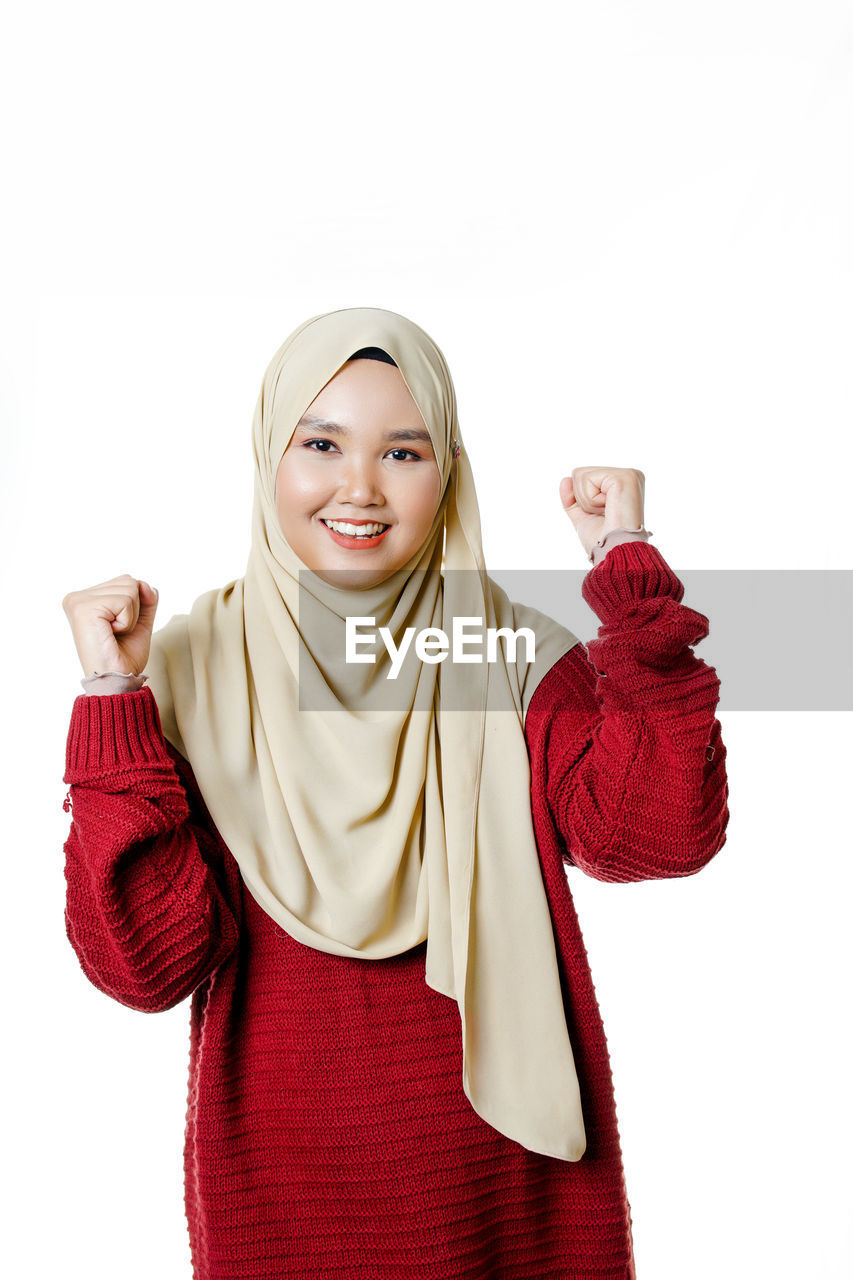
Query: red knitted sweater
(327, 1131)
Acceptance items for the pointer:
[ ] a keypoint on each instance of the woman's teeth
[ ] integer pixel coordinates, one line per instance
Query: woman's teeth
(355, 530)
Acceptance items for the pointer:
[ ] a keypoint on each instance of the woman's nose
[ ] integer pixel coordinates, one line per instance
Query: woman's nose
(360, 484)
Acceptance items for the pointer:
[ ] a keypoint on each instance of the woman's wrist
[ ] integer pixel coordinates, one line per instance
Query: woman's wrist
(111, 682)
(614, 537)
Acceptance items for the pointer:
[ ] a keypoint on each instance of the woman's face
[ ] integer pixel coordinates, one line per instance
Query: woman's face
(362, 455)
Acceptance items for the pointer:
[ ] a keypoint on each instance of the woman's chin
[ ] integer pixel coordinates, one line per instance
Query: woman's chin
(353, 579)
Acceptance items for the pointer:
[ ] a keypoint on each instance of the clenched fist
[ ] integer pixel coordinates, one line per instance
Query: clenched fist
(112, 625)
(598, 499)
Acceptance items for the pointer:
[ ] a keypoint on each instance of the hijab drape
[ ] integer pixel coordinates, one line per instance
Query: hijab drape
(367, 816)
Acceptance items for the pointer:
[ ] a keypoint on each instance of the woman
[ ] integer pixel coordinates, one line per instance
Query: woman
(397, 1061)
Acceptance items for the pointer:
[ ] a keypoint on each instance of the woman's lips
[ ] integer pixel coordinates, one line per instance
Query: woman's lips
(356, 544)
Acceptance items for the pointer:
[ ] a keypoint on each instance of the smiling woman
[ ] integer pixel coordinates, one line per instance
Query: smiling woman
(345, 470)
(398, 1066)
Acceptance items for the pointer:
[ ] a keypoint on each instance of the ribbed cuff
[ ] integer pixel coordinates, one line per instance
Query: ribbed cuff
(630, 573)
(114, 734)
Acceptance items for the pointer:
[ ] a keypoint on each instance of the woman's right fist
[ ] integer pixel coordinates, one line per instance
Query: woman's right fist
(112, 624)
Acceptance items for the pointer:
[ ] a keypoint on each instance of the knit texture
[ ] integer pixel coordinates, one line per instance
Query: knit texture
(327, 1131)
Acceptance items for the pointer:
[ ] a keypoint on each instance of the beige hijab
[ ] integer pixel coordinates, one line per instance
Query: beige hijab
(368, 815)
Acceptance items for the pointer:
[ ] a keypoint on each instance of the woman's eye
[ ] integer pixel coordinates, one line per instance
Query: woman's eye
(410, 453)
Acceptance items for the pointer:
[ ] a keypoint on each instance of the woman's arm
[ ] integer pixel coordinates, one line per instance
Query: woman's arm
(144, 912)
(624, 743)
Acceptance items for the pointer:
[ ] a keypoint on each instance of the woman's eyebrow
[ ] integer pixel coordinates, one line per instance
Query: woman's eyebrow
(312, 423)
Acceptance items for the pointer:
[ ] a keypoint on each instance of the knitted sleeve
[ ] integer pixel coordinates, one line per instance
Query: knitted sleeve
(625, 748)
(144, 912)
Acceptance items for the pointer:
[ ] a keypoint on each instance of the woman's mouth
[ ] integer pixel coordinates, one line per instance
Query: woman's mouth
(345, 535)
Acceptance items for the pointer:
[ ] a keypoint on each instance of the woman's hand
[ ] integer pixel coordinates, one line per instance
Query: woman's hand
(598, 499)
(112, 624)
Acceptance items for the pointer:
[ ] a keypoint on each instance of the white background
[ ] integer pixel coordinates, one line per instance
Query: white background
(628, 228)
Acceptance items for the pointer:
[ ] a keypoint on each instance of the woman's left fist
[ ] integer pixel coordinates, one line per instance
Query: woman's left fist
(598, 499)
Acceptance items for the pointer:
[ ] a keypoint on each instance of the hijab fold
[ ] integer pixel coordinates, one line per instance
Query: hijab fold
(368, 815)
